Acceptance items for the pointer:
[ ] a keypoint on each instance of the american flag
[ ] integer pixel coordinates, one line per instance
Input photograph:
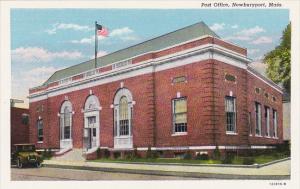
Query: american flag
(101, 30)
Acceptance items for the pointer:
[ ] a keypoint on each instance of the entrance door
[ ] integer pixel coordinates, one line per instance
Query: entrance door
(91, 132)
(87, 138)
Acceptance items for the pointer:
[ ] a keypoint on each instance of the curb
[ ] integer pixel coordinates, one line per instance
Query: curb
(273, 162)
(201, 165)
(173, 173)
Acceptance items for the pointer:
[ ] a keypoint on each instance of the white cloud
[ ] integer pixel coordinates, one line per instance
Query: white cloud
(217, 26)
(84, 40)
(246, 34)
(38, 54)
(252, 31)
(259, 66)
(87, 40)
(262, 40)
(234, 26)
(22, 81)
(253, 51)
(121, 31)
(69, 26)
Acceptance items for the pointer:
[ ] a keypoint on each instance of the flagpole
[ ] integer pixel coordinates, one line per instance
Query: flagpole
(96, 44)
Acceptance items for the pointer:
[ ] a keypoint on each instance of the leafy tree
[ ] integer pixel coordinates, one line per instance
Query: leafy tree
(279, 61)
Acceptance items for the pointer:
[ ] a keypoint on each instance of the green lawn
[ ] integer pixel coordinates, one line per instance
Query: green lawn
(159, 160)
(236, 161)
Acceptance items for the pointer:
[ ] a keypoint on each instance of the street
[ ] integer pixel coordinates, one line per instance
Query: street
(46, 173)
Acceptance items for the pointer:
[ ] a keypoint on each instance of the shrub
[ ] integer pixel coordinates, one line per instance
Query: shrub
(202, 157)
(248, 161)
(129, 155)
(116, 155)
(47, 153)
(154, 155)
(228, 158)
(187, 155)
(216, 153)
(135, 153)
(98, 152)
(106, 153)
(149, 153)
(284, 148)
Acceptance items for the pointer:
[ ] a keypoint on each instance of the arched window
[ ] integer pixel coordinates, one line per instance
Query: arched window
(67, 123)
(40, 128)
(124, 116)
(66, 120)
(123, 105)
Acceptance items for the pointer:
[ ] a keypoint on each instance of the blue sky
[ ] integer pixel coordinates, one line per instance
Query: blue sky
(45, 40)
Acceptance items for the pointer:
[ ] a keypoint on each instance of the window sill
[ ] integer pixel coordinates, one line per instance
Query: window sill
(250, 135)
(40, 142)
(275, 137)
(259, 136)
(268, 137)
(65, 139)
(179, 134)
(123, 136)
(231, 133)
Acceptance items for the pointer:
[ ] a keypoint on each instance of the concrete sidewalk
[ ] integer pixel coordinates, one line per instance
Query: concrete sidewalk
(279, 170)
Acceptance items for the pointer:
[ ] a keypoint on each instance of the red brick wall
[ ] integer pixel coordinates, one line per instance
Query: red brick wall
(198, 91)
(254, 97)
(141, 93)
(205, 90)
(223, 88)
(19, 131)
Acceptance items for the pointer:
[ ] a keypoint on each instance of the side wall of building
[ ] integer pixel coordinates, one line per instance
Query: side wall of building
(265, 101)
(19, 130)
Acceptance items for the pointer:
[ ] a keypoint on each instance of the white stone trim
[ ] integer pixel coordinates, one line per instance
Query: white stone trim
(140, 69)
(179, 134)
(192, 50)
(231, 133)
(203, 148)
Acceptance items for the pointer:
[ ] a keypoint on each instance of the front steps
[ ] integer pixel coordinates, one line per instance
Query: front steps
(74, 154)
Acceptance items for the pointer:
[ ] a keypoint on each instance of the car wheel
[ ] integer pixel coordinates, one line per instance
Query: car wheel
(38, 164)
(19, 163)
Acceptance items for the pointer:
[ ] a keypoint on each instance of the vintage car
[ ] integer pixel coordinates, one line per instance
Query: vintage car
(25, 154)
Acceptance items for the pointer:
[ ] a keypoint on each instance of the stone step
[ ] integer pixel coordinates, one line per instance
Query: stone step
(76, 154)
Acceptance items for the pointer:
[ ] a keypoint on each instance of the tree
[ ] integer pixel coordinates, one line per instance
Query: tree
(279, 61)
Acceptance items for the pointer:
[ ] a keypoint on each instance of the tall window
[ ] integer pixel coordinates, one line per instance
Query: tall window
(180, 115)
(257, 118)
(267, 120)
(275, 123)
(40, 128)
(230, 109)
(66, 120)
(123, 105)
(123, 117)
